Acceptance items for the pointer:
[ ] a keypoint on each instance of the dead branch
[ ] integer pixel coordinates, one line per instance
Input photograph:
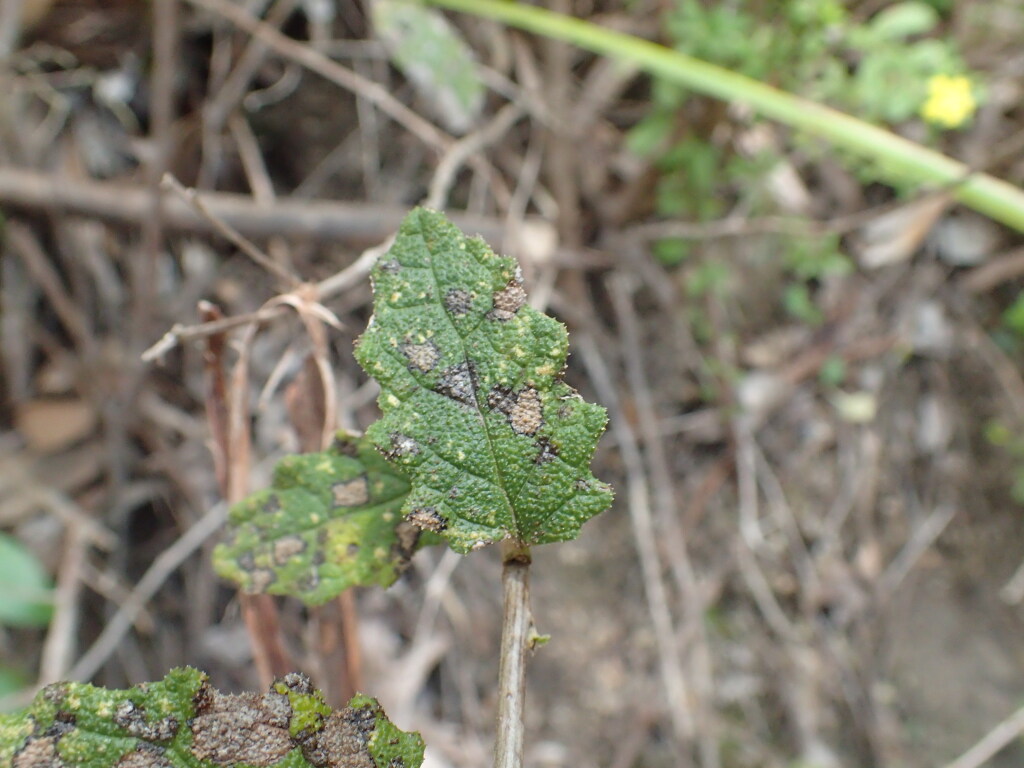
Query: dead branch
(324, 220)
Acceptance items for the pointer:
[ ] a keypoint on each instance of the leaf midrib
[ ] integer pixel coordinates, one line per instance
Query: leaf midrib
(476, 401)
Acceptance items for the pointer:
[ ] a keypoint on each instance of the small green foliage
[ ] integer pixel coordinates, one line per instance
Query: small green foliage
(807, 260)
(474, 407)
(388, 746)
(832, 372)
(25, 589)
(1001, 436)
(184, 722)
(796, 298)
(330, 521)
(1013, 316)
(709, 278)
(434, 57)
(815, 258)
(890, 67)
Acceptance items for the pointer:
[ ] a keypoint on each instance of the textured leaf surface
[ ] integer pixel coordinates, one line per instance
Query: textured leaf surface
(475, 409)
(331, 520)
(184, 722)
(433, 55)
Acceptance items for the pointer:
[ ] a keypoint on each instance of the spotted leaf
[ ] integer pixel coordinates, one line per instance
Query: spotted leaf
(184, 722)
(475, 410)
(331, 520)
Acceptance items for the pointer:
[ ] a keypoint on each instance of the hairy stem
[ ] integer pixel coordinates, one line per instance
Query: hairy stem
(515, 638)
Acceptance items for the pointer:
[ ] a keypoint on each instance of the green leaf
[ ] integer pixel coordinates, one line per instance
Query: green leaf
(330, 521)
(184, 722)
(904, 20)
(25, 592)
(474, 407)
(435, 58)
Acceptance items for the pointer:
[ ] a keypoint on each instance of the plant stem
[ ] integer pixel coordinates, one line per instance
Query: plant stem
(515, 631)
(899, 157)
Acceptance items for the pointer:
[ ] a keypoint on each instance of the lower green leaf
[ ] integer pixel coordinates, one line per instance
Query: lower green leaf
(330, 521)
(184, 722)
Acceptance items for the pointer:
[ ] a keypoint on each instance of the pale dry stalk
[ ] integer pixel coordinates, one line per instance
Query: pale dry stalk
(516, 624)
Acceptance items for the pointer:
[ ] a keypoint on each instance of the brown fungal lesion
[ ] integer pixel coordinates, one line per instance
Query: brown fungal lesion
(38, 753)
(244, 728)
(298, 682)
(459, 382)
(343, 740)
(131, 717)
(548, 451)
(144, 756)
(427, 518)
(501, 399)
(351, 493)
(458, 302)
(523, 408)
(40, 749)
(422, 357)
(526, 416)
(407, 536)
(260, 580)
(288, 547)
(509, 300)
(56, 693)
(402, 446)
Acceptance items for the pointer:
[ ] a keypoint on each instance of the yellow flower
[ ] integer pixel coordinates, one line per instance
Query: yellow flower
(950, 102)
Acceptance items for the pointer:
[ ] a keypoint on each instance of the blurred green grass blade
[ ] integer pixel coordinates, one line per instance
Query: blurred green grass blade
(897, 158)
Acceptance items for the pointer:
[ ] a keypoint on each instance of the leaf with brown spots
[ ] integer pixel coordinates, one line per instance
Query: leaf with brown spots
(475, 410)
(331, 520)
(184, 722)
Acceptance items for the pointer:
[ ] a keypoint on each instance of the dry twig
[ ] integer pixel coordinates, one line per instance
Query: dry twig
(317, 62)
(324, 220)
(678, 695)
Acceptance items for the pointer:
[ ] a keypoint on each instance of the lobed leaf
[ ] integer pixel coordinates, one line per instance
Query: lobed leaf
(474, 407)
(184, 722)
(331, 520)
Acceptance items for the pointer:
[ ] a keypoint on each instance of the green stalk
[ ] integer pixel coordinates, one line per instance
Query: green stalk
(986, 194)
